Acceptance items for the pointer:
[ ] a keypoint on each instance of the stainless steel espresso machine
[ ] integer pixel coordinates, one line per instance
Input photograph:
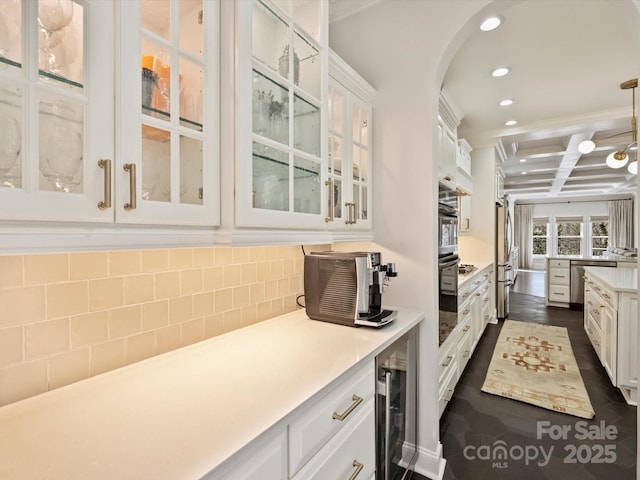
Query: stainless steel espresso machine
(346, 288)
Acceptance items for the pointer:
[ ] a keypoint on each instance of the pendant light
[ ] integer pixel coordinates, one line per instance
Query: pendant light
(620, 158)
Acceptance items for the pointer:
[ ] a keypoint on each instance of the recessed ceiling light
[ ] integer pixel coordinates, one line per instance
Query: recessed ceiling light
(491, 23)
(522, 160)
(506, 102)
(524, 173)
(500, 71)
(510, 123)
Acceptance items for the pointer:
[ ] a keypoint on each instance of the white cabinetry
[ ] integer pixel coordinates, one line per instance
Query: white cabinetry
(59, 113)
(332, 438)
(610, 321)
(464, 185)
(447, 141)
(281, 122)
(349, 148)
(475, 310)
(558, 280)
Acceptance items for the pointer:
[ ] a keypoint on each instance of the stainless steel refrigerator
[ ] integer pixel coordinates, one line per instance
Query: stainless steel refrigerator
(504, 234)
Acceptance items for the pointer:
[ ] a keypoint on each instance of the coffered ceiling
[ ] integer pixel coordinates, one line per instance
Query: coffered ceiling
(568, 59)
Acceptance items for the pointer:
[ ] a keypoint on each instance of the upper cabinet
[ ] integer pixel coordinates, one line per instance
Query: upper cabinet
(349, 148)
(281, 122)
(70, 153)
(447, 140)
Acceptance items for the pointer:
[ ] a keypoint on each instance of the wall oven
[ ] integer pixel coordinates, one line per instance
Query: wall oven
(448, 261)
(448, 295)
(447, 220)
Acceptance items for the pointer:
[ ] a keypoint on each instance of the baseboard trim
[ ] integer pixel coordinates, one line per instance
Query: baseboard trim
(430, 464)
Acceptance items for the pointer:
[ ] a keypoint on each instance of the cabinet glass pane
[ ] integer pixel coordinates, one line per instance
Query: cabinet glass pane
(156, 80)
(364, 129)
(306, 186)
(270, 178)
(307, 73)
(270, 109)
(364, 214)
(337, 198)
(10, 137)
(61, 145)
(357, 120)
(307, 14)
(335, 107)
(364, 164)
(191, 171)
(270, 39)
(190, 29)
(156, 164)
(306, 126)
(190, 80)
(11, 32)
(335, 154)
(356, 162)
(155, 17)
(60, 42)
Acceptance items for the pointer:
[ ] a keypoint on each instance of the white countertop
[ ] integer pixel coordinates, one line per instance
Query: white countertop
(463, 279)
(618, 279)
(181, 414)
(607, 257)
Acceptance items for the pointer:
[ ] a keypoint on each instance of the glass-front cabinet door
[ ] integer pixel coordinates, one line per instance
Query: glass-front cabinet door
(167, 115)
(280, 151)
(349, 149)
(56, 109)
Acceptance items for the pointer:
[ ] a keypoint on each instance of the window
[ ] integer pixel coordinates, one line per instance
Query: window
(599, 235)
(540, 235)
(569, 235)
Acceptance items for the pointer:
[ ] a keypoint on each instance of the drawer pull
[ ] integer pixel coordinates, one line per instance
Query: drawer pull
(559, 276)
(478, 294)
(606, 295)
(356, 401)
(106, 203)
(558, 293)
(131, 204)
(466, 294)
(486, 300)
(359, 466)
(596, 342)
(466, 329)
(466, 354)
(597, 289)
(465, 311)
(447, 361)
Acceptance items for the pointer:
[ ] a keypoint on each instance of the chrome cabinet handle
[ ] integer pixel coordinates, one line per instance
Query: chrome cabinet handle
(478, 294)
(106, 203)
(447, 361)
(466, 328)
(356, 401)
(466, 354)
(606, 295)
(466, 310)
(131, 168)
(359, 466)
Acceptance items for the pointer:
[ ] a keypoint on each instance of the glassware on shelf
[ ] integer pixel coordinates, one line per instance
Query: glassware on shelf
(53, 16)
(61, 146)
(149, 81)
(10, 20)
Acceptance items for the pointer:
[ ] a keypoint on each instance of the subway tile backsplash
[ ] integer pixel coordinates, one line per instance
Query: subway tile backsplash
(66, 317)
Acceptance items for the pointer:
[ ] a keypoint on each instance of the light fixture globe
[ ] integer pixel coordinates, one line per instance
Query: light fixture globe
(586, 146)
(617, 159)
(633, 168)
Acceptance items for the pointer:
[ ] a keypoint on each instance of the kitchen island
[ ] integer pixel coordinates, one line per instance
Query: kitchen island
(611, 323)
(198, 411)
(564, 283)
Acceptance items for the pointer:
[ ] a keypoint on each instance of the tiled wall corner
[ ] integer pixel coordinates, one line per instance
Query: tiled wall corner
(65, 317)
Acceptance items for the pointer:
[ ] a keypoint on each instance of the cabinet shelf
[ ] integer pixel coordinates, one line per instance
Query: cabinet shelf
(43, 73)
(165, 116)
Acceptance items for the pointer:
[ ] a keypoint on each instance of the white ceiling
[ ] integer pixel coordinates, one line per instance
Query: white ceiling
(568, 59)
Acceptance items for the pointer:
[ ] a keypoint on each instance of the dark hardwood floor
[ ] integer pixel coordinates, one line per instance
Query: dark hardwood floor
(477, 420)
(529, 282)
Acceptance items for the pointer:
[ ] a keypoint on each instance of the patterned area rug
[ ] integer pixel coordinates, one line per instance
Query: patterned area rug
(535, 364)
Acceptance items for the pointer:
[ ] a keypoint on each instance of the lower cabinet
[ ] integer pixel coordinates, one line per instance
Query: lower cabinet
(475, 310)
(611, 324)
(332, 438)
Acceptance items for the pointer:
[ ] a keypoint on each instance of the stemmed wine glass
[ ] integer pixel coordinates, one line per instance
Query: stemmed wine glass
(53, 16)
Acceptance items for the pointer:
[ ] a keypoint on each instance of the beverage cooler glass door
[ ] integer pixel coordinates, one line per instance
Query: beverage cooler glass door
(396, 401)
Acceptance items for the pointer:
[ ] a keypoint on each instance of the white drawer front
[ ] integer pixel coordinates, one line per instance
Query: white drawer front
(464, 352)
(351, 450)
(310, 432)
(559, 293)
(559, 276)
(559, 263)
(447, 356)
(446, 392)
